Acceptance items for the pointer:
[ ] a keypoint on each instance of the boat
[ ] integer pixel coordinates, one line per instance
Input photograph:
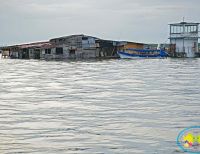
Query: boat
(142, 53)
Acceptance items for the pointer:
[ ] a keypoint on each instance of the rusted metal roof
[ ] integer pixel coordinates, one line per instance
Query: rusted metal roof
(33, 45)
(48, 46)
(72, 36)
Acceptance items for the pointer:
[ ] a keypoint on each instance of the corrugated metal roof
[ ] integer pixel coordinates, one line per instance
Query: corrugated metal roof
(34, 45)
(71, 36)
(47, 46)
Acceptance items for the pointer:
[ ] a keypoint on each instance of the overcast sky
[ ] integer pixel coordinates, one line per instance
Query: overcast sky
(134, 20)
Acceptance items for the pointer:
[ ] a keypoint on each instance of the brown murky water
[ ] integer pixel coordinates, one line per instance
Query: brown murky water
(109, 106)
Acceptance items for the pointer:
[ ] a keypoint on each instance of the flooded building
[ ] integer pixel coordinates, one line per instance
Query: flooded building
(56, 52)
(76, 46)
(184, 39)
(31, 51)
(84, 47)
(107, 48)
(23, 51)
(69, 47)
(10, 52)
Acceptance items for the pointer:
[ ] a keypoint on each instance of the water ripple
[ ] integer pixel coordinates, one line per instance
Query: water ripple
(108, 106)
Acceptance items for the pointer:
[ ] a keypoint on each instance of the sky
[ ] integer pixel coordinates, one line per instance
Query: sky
(145, 21)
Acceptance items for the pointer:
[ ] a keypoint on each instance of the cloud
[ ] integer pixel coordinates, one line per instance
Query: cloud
(134, 20)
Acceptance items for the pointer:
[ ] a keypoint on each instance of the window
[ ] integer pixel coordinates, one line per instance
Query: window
(186, 29)
(181, 29)
(72, 52)
(47, 51)
(59, 51)
(195, 28)
(85, 38)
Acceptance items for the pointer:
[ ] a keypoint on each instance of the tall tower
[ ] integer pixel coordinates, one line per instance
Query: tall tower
(184, 39)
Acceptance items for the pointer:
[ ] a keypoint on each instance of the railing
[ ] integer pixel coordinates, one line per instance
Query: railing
(184, 35)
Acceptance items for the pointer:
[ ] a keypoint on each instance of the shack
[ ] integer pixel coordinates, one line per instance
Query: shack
(76, 46)
(10, 52)
(53, 51)
(106, 48)
(31, 51)
(69, 47)
(23, 51)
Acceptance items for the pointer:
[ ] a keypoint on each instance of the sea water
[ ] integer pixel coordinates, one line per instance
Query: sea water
(97, 106)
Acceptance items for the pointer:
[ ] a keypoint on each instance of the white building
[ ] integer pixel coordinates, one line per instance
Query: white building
(184, 39)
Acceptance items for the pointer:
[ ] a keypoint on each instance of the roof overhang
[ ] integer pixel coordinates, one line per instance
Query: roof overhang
(185, 23)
